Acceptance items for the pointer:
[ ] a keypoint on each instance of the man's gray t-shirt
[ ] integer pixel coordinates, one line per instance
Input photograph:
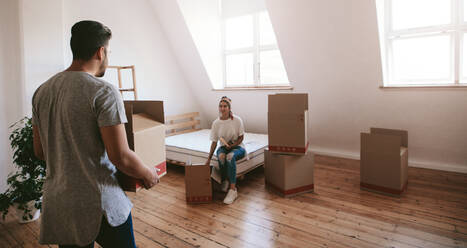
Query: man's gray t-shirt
(81, 184)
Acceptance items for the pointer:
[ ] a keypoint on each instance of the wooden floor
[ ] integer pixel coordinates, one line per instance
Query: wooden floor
(432, 213)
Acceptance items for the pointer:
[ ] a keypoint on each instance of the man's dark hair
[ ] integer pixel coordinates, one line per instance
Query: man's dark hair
(87, 37)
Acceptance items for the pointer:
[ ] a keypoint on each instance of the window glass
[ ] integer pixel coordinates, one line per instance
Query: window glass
(426, 58)
(272, 70)
(239, 69)
(239, 32)
(420, 13)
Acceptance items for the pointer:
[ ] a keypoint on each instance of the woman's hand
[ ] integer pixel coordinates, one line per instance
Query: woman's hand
(213, 148)
(237, 142)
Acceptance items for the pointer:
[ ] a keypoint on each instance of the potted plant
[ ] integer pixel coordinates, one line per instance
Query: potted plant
(24, 191)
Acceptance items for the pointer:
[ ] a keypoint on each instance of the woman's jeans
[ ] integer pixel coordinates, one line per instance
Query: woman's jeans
(112, 237)
(227, 162)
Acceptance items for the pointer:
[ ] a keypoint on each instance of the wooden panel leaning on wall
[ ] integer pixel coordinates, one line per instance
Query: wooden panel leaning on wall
(180, 124)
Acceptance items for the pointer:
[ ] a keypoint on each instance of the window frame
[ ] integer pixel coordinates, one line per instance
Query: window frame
(455, 30)
(255, 49)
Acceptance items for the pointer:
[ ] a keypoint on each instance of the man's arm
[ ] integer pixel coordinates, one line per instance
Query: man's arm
(116, 144)
(37, 143)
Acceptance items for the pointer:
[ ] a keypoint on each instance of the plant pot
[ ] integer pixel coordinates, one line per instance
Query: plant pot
(36, 213)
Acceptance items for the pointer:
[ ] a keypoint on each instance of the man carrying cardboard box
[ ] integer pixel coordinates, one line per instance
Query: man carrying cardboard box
(78, 130)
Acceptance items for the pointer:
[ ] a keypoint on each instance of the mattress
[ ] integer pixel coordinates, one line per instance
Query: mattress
(193, 147)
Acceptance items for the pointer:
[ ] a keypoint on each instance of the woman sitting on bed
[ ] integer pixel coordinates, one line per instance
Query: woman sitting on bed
(228, 130)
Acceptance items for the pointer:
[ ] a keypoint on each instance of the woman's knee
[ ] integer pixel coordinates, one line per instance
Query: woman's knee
(221, 157)
(230, 156)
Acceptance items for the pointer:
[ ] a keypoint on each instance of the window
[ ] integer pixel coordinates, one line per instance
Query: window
(251, 55)
(423, 42)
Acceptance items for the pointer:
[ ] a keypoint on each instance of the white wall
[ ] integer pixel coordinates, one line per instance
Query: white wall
(42, 47)
(31, 51)
(10, 82)
(137, 39)
(331, 51)
(206, 33)
(184, 51)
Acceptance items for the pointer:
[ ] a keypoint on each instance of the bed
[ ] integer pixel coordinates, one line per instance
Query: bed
(187, 144)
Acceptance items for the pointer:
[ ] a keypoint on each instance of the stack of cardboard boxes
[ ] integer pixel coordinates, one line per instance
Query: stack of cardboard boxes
(145, 131)
(288, 164)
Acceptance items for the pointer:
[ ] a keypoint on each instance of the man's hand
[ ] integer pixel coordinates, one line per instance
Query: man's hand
(123, 158)
(151, 178)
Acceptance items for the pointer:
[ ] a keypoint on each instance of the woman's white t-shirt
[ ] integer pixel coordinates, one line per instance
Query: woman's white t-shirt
(228, 129)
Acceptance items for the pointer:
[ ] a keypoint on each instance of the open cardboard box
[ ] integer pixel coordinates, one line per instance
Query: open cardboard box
(145, 131)
(288, 175)
(288, 123)
(198, 183)
(384, 160)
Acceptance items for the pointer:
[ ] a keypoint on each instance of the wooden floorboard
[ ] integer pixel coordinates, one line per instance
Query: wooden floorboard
(6, 238)
(23, 234)
(258, 198)
(432, 213)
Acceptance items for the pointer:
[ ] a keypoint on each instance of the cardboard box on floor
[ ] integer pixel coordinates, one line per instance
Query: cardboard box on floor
(146, 137)
(288, 175)
(198, 183)
(384, 160)
(288, 123)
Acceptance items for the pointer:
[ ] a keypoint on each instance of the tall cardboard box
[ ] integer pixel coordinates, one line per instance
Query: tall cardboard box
(288, 175)
(146, 137)
(198, 183)
(288, 123)
(384, 160)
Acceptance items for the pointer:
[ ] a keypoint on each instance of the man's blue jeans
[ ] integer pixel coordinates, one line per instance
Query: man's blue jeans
(227, 162)
(112, 237)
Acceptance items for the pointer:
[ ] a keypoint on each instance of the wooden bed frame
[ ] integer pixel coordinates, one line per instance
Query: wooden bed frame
(179, 124)
(186, 123)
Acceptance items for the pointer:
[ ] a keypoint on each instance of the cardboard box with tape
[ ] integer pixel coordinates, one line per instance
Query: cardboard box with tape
(288, 175)
(145, 131)
(384, 160)
(288, 123)
(198, 183)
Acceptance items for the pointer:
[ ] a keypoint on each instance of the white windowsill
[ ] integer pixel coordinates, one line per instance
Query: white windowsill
(434, 86)
(255, 88)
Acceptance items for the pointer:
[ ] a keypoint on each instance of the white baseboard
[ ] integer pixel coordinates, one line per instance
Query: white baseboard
(417, 164)
(442, 167)
(334, 153)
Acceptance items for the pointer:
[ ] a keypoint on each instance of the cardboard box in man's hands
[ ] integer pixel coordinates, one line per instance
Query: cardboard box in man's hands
(146, 137)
